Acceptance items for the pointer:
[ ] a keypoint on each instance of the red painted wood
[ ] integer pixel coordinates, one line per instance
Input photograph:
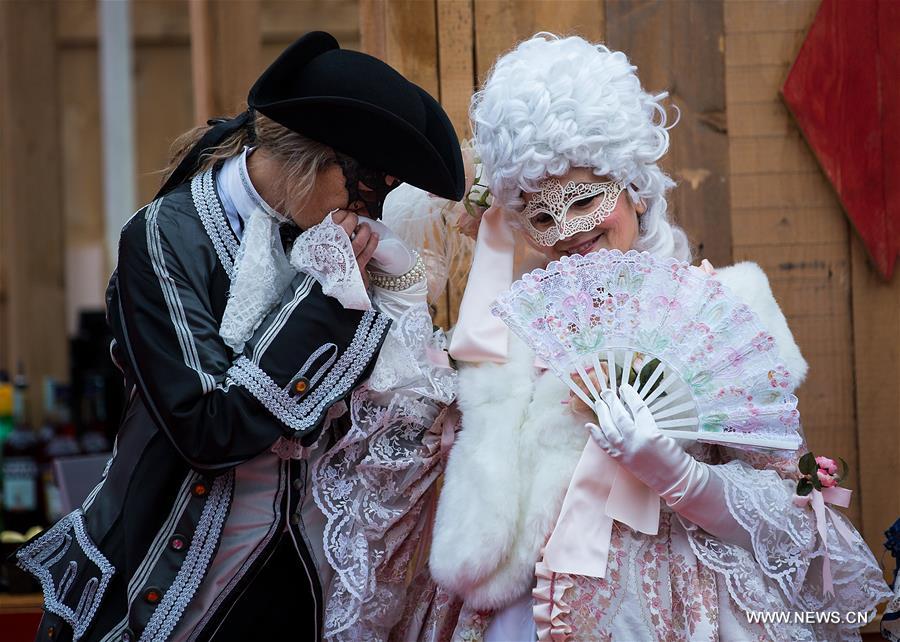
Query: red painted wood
(844, 91)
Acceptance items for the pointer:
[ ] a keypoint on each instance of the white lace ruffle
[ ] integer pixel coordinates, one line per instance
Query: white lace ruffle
(325, 252)
(783, 572)
(370, 485)
(404, 362)
(262, 272)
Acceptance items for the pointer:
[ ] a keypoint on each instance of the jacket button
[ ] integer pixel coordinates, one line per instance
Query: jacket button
(199, 489)
(295, 519)
(51, 632)
(298, 484)
(299, 386)
(127, 636)
(177, 542)
(152, 595)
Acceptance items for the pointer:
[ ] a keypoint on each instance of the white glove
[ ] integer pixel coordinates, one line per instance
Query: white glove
(689, 487)
(392, 256)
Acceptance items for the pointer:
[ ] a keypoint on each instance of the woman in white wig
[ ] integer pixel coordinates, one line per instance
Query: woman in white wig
(570, 143)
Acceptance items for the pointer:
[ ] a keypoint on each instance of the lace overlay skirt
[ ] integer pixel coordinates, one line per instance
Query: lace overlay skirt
(655, 589)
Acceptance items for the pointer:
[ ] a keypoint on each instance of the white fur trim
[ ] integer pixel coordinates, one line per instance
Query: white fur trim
(477, 516)
(505, 479)
(749, 283)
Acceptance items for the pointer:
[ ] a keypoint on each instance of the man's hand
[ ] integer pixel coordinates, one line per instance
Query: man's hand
(363, 239)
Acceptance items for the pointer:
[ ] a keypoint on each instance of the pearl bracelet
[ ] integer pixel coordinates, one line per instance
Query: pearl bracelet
(401, 282)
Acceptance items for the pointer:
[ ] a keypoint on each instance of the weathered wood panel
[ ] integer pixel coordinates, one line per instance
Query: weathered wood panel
(876, 343)
(677, 47)
(809, 266)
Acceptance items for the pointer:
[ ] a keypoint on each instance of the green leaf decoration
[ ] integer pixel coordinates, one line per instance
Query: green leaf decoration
(808, 465)
(804, 487)
(647, 372)
(843, 470)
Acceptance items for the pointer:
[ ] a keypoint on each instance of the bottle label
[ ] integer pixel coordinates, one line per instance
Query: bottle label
(20, 477)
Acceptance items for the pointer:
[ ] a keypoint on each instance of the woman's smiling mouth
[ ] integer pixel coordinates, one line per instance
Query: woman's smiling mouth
(585, 247)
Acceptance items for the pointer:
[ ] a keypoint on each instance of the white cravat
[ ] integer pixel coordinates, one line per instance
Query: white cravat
(263, 270)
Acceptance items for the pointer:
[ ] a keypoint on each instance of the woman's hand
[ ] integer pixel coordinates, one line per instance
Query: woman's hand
(575, 402)
(362, 238)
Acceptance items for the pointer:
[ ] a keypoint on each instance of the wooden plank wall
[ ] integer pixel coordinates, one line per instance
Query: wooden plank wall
(749, 188)
(786, 217)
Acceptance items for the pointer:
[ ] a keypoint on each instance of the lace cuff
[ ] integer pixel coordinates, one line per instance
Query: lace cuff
(413, 357)
(325, 252)
(784, 569)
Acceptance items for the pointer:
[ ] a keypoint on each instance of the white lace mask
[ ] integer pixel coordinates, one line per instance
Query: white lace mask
(546, 214)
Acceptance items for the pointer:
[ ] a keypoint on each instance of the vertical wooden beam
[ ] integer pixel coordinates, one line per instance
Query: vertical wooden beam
(30, 195)
(456, 60)
(225, 55)
(456, 67)
(679, 47)
(403, 33)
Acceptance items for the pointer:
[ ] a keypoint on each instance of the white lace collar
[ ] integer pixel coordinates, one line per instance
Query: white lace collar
(238, 194)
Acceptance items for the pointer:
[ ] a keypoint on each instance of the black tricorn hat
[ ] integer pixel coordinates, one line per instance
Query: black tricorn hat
(357, 105)
(363, 108)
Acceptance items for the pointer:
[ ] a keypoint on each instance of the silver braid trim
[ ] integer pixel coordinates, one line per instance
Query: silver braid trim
(40, 555)
(196, 561)
(302, 415)
(203, 193)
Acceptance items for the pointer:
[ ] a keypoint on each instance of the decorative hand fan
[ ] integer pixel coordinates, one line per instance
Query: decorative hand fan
(700, 358)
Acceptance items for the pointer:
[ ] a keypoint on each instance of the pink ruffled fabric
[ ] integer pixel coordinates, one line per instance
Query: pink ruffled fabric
(551, 612)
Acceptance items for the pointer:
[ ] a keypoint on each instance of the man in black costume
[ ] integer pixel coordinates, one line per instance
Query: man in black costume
(197, 530)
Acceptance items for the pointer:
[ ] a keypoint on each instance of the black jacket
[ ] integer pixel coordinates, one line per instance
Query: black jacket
(127, 564)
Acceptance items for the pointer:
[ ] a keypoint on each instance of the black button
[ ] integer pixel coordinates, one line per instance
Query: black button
(295, 519)
(199, 489)
(51, 632)
(177, 542)
(127, 636)
(152, 595)
(298, 387)
(298, 484)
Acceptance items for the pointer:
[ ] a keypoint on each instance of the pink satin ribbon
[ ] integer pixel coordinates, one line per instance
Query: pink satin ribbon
(479, 335)
(600, 491)
(839, 497)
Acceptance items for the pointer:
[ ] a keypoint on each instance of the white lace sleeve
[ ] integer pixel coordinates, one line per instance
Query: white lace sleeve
(324, 252)
(783, 572)
(375, 487)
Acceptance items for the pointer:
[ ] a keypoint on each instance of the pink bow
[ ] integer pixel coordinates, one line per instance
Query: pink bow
(839, 497)
(479, 335)
(600, 492)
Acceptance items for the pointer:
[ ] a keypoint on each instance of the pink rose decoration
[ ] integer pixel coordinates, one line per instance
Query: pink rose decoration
(827, 465)
(826, 480)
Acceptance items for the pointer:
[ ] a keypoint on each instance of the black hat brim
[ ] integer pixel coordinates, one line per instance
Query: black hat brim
(379, 139)
(363, 108)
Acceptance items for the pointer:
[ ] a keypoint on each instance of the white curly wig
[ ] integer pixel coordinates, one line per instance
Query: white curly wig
(554, 103)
